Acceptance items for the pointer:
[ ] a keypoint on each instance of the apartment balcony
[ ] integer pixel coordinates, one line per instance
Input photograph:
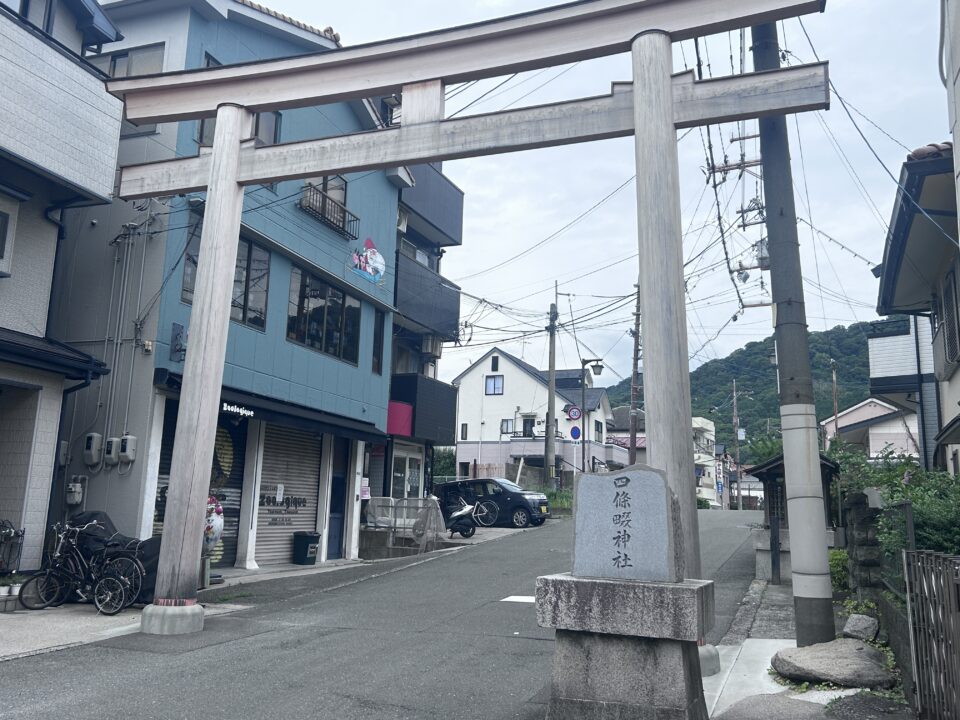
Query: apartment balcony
(330, 212)
(422, 408)
(427, 299)
(57, 119)
(435, 206)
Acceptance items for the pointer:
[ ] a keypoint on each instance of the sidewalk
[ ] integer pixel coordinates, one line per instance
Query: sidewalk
(763, 625)
(33, 632)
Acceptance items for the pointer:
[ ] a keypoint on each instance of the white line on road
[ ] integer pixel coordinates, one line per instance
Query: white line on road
(519, 599)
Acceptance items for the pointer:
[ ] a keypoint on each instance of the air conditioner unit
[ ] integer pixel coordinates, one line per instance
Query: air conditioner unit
(431, 345)
(402, 218)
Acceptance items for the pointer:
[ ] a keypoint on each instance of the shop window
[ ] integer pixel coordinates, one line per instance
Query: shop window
(494, 385)
(323, 317)
(251, 280)
(146, 60)
(378, 323)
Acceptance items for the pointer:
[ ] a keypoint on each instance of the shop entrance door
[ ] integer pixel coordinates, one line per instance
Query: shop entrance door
(338, 498)
(407, 474)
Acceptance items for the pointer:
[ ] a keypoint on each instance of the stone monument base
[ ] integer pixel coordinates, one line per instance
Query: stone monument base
(625, 649)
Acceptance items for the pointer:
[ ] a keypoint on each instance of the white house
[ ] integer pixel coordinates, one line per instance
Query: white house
(875, 426)
(501, 418)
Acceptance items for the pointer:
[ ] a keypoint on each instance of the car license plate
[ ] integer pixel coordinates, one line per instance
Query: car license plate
(543, 509)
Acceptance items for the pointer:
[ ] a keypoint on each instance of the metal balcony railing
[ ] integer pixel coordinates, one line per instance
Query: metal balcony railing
(324, 208)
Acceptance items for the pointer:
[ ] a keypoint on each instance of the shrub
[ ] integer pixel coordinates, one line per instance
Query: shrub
(562, 499)
(703, 504)
(839, 571)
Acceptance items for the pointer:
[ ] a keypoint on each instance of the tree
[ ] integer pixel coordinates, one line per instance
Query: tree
(444, 463)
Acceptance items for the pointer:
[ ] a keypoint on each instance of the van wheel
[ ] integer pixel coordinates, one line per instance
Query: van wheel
(520, 518)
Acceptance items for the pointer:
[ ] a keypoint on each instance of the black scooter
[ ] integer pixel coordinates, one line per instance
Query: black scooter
(456, 518)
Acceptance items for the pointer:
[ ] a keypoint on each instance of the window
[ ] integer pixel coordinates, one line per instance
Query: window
(506, 426)
(208, 125)
(528, 425)
(135, 61)
(323, 317)
(597, 430)
(325, 198)
(4, 224)
(463, 431)
(267, 128)
(494, 385)
(251, 280)
(495, 363)
(378, 322)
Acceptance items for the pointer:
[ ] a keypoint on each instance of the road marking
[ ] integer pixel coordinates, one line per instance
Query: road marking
(519, 599)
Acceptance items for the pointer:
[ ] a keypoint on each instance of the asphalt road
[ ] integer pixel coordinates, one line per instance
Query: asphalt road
(390, 640)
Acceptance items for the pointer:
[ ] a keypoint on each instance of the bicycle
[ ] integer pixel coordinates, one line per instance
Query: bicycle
(485, 513)
(111, 578)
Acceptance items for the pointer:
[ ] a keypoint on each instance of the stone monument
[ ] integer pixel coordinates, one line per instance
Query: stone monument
(627, 621)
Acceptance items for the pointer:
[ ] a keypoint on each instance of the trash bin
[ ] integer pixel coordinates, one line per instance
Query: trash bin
(305, 546)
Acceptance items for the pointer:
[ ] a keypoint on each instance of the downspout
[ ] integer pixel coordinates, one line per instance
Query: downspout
(63, 407)
(920, 412)
(61, 234)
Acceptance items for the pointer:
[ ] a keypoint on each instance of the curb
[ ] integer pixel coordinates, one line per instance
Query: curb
(746, 614)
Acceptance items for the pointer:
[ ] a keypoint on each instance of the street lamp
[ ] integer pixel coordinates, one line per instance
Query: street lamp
(597, 367)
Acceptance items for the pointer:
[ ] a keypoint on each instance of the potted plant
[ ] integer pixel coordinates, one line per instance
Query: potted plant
(4, 586)
(15, 581)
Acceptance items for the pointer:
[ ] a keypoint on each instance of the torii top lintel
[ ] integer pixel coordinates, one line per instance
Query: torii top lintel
(556, 35)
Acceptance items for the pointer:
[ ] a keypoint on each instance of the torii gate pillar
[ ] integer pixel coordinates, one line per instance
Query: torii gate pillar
(666, 367)
(175, 610)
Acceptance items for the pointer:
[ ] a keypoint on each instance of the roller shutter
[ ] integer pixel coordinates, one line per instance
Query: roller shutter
(291, 458)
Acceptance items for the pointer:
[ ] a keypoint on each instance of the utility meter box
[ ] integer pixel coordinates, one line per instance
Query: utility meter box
(128, 448)
(74, 492)
(111, 452)
(92, 448)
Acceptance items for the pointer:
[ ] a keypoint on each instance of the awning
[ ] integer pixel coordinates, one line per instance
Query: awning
(246, 404)
(950, 435)
(48, 354)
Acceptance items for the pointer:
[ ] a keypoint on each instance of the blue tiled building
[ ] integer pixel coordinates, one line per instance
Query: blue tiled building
(306, 386)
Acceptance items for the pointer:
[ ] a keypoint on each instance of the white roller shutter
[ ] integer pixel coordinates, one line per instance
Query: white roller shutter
(291, 458)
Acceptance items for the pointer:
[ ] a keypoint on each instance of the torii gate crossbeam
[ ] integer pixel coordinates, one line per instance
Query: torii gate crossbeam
(420, 67)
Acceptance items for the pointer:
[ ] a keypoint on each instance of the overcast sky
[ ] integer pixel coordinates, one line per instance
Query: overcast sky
(883, 61)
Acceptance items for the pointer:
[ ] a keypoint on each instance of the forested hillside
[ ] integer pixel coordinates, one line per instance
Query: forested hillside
(711, 384)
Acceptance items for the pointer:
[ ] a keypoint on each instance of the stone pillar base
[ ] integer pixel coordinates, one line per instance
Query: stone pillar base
(625, 650)
(171, 619)
(601, 677)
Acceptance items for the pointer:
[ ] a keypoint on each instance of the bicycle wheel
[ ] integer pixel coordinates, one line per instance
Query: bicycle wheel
(67, 574)
(129, 571)
(40, 591)
(486, 513)
(109, 595)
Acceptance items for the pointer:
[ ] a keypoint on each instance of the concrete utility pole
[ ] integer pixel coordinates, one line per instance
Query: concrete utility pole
(812, 593)
(666, 366)
(550, 437)
(736, 445)
(836, 411)
(634, 383)
(175, 609)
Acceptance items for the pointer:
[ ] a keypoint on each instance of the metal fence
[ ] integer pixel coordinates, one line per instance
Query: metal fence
(411, 521)
(933, 607)
(898, 535)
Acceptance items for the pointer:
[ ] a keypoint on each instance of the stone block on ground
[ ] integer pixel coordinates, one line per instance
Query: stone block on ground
(861, 627)
(773, 707)
(846, 662)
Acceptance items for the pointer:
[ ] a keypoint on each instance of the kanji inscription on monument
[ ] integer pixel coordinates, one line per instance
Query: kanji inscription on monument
(627, 527)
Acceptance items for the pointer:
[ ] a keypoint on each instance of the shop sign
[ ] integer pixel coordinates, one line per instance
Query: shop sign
(365, 492)
(236, 410)
(368, 263)
(278, 507)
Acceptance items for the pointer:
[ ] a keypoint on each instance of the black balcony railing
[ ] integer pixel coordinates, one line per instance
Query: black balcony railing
(434, 406)
(324, 208)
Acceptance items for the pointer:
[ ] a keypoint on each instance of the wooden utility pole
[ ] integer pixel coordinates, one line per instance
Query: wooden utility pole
(550, 435)
(736, 445)
(812, 592)
(635, 383)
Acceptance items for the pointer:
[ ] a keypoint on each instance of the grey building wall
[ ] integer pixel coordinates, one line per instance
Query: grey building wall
(55, 113)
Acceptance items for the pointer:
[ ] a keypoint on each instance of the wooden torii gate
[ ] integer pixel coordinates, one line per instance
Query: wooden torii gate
(419, 67)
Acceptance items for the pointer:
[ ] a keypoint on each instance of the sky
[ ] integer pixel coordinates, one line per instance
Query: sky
(568, 214)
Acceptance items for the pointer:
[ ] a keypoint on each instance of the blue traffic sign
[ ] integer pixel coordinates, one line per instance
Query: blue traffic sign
(575, 433)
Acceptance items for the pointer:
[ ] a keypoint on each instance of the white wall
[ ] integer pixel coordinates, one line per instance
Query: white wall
(25, 295)
(897, 355)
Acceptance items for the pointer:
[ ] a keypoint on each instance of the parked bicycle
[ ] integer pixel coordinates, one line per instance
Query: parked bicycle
(111, 575)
